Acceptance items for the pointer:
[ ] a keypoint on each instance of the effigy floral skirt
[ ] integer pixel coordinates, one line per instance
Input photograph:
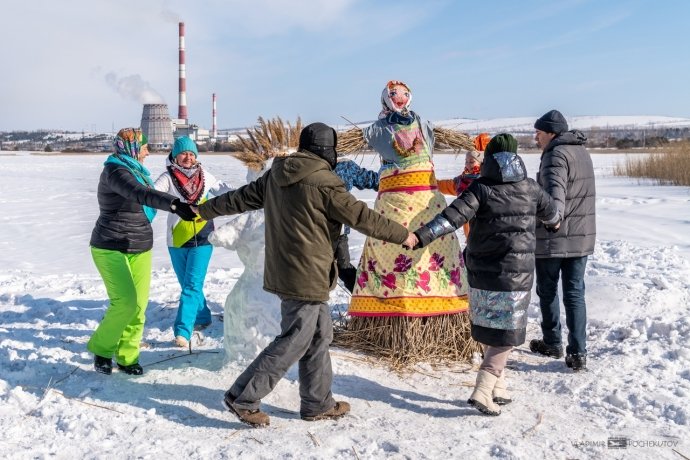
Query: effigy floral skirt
(393, 281)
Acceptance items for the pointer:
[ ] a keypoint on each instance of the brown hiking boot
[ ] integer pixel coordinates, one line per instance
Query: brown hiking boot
(341, 408)
(254, 418)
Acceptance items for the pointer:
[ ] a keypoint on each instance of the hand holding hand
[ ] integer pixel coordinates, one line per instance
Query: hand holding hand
(411, 242)
(182, 209)
(553, 228)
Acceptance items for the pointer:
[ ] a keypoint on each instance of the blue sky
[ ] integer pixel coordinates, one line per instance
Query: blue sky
(89, 65)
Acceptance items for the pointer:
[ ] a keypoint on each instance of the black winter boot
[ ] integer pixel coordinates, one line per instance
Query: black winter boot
(576, 361)
(103, 365)
(132, 369)
(541, 347)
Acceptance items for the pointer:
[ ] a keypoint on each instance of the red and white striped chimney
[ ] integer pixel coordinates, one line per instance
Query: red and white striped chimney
(182, 108)
(214, 130)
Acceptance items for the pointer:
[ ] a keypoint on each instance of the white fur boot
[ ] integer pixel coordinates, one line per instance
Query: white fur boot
(481, 397)
(500, 393)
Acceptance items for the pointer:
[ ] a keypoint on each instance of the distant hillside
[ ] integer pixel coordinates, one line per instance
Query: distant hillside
(520, 125)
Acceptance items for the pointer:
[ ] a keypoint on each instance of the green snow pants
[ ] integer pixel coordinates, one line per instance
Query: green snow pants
(127, 278)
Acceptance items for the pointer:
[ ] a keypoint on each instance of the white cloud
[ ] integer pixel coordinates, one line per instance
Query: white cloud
(133, 87)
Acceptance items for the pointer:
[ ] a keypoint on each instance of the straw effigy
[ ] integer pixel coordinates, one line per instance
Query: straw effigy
(403, 341)
(268, 139)
(400, 341)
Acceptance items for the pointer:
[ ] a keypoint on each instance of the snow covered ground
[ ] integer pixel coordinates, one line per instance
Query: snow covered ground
(53, 405)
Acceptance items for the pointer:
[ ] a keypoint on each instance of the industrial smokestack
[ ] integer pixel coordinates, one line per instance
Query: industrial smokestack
(214, 128)
(182, 108)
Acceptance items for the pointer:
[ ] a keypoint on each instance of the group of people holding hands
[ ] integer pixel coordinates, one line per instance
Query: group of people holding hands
(516, 226)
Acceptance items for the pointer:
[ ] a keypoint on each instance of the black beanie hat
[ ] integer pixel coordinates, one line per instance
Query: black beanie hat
(501, 143)
(552, 121)
(320, 139)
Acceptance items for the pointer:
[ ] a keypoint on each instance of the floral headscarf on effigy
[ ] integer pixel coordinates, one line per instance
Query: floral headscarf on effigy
(395, 101)
(128, 144)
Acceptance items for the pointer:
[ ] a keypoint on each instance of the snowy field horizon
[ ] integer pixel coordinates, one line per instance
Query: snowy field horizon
(632, 403)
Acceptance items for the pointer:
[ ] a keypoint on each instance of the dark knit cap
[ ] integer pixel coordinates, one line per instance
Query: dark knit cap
(501, 143)
(552, 121)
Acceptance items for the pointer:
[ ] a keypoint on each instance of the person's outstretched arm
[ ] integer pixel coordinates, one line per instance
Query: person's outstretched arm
(246, 198)
(355, 176)
(346, 209)
(461, 210)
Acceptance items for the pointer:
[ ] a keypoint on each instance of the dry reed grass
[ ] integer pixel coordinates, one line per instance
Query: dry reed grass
(672, 166)
(406, 341)
(269, 139)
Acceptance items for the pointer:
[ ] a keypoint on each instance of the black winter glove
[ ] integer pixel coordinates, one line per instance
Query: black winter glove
(182, 209)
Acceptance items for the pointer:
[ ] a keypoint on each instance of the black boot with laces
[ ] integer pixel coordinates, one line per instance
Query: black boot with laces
(132, 369)
(541, 347)
(103, 365)
(576, 361)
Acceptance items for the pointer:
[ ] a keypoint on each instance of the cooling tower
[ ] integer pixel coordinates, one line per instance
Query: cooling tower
(156, 124)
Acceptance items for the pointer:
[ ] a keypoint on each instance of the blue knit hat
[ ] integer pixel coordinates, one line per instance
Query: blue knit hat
(183, 144)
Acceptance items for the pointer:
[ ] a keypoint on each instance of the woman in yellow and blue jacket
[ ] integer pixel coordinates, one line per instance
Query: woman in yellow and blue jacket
(190, 250)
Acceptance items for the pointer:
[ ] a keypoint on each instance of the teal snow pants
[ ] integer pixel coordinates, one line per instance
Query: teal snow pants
(191, 265)
(127, 278)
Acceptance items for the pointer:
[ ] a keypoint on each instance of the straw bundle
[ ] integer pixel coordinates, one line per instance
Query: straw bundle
(268, 139)
(351, 141)
(407, 341)
(448, 138)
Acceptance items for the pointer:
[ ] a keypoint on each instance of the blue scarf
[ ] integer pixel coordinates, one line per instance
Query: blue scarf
(396, 118)
(141, 174)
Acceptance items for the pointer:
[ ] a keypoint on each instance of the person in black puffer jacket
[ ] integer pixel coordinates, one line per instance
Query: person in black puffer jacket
(121, 244)
(502, 207)
(567, 174)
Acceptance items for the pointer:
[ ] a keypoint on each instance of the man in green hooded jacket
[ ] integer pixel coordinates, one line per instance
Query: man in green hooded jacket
(305, 206)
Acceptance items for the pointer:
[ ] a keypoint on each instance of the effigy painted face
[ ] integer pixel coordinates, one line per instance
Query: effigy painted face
(399, 96)
(395, 98)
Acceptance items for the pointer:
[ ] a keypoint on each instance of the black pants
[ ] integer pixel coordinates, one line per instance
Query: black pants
(346, 272)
